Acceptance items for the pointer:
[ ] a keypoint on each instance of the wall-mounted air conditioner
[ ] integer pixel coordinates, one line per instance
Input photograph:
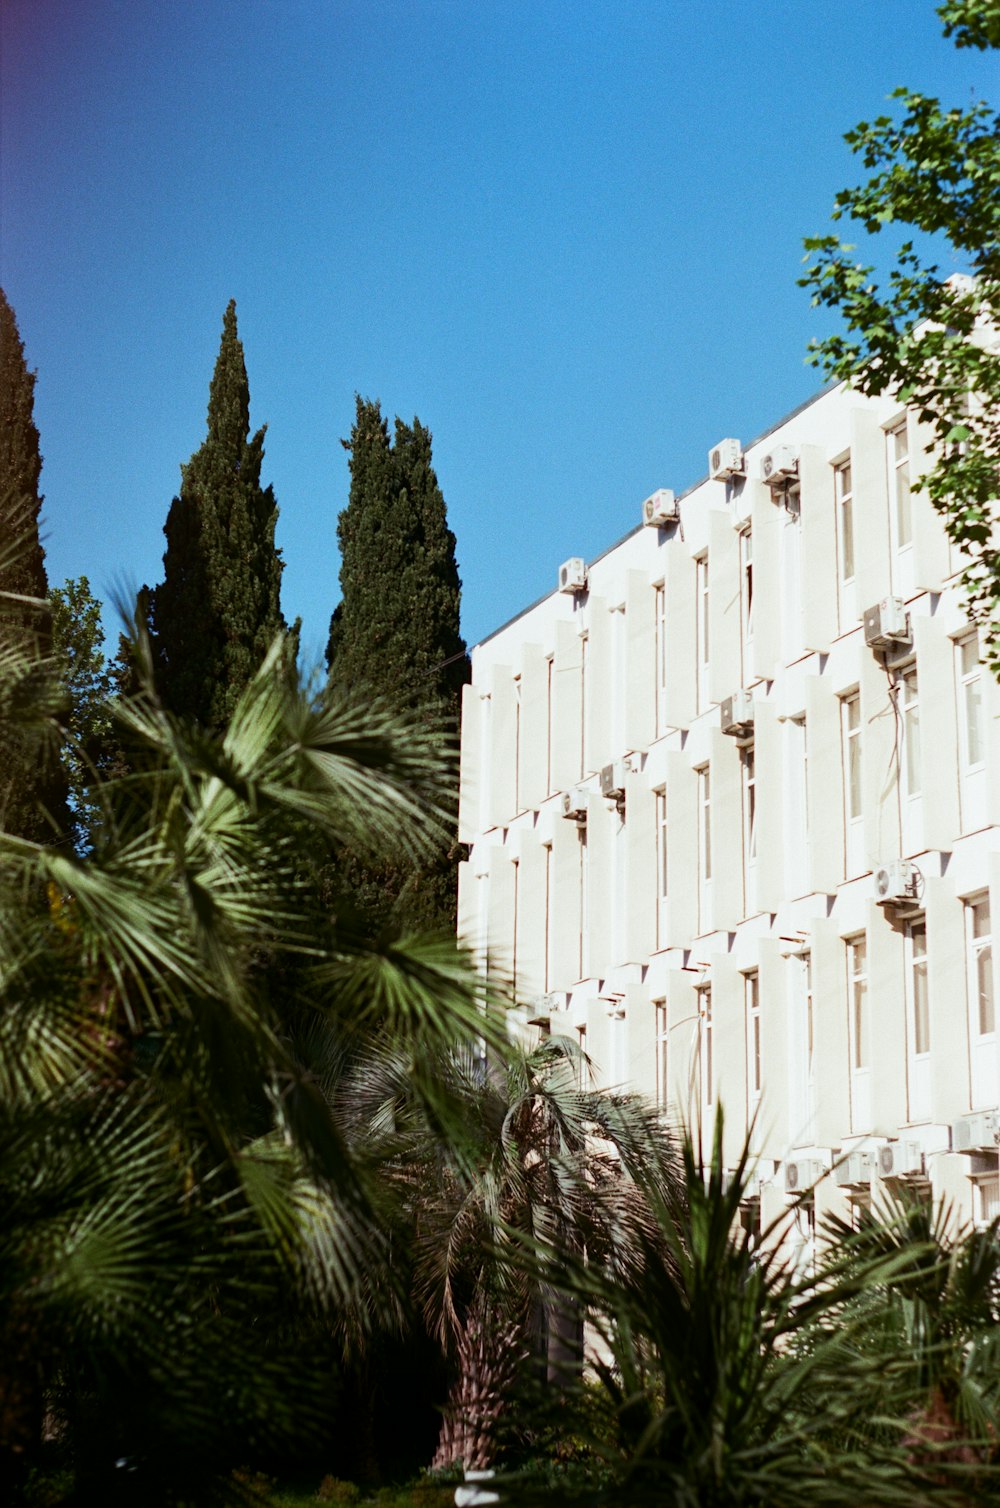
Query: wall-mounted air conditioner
(613, 780)
(887, 624)
(896, 883)
(979, 1132)
(736, 714)
(901, 1159)
(573, 575)
(725, 460)
(779, 466)
(853, 1171)
(574, 805)
(556, 1001)
(802, 1174)
(660, 509)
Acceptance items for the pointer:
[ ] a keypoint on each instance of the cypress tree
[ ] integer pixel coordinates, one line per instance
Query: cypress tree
(396, 630)
(32, 793)
(217, 610)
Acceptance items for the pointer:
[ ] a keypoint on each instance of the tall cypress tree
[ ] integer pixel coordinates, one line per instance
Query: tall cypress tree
(396, 630)
(31, 788)
(217, 610)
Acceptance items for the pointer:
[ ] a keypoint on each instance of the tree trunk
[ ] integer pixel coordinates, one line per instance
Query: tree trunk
(487, 1358)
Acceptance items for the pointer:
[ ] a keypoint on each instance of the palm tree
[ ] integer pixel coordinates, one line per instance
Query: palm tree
(538, 1168)
(730, 1378)
(175, 1186)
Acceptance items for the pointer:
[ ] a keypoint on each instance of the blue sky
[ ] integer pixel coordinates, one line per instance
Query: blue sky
(566, 235)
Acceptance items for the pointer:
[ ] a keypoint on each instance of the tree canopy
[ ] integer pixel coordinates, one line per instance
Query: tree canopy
(396, 630)
(217, 609)
(932, 337)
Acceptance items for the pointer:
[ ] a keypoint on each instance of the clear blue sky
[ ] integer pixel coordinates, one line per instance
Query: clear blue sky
(566, 235)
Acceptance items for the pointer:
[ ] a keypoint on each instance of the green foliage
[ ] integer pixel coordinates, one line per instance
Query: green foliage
(929, 338)
(31, 788)
(179, 1197)
(396, 630)
(217, 611)
(89, 746)
(732, 1378)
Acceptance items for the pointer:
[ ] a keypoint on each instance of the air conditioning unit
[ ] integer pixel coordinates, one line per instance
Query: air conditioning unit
(574, 806)
(573, 575)
(555, 1002)
(779, 466)
(660, 509)
(613, 780)
(976, 1133)
(853, 1171)
(901, 1159)
(802, 1174)
(736, 714)
(887, 624)
(725, 460)
(895, 882)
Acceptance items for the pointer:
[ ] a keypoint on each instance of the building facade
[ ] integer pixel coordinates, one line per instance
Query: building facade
(732, 800)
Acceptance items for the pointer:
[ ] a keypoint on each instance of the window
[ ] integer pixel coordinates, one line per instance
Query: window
(516, 926)
(845, 519)
(970, 702)
(859, 1034)
(705, 822)
(517, 743)
(986, 1198)
(661, 868)
(746, 583)
(908, 703)
(581, 1042)
(981, 966)
(971, 733)
(857, 963)
(704, 849)
(749, 772)
(705, 1042)
(659, 690)
(584, 646)
(549, 929)
(851, 726)
(919, 1005)
(662, 1048)
(701, 629)
(899, 486)
(751, 986)
(550, 674)
(802, 1085)
(584, 959)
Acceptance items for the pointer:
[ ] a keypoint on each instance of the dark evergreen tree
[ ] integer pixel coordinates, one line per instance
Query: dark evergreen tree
(31, 788)
(217, 610)
(396, 630)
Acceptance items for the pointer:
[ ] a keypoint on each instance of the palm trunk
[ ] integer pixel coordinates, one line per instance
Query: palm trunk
(486, 1358)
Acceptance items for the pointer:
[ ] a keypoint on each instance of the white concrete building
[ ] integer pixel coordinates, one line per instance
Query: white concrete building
(782, 902)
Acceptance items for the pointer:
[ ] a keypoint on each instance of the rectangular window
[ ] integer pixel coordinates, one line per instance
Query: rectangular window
(661, 868)
(746, 583)
(701, 629)
(899, 485)
(549, 930)
(751, 985)
(659, 690)
(517, 743)
(807, 993)
(581, 1042)
(705, 1025)
(857, 966)
(908, 694)
(851, 728)
(550, 676)
(584, 646)
(919, 1003)
(516, 926)
(980, 944)
(749, 764)
(845, 519)
(970, 702)
(584, 903)
(705, 822)
(662, 1047)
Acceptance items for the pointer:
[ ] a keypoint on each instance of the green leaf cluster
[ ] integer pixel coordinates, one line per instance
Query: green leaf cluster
(931, 338)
